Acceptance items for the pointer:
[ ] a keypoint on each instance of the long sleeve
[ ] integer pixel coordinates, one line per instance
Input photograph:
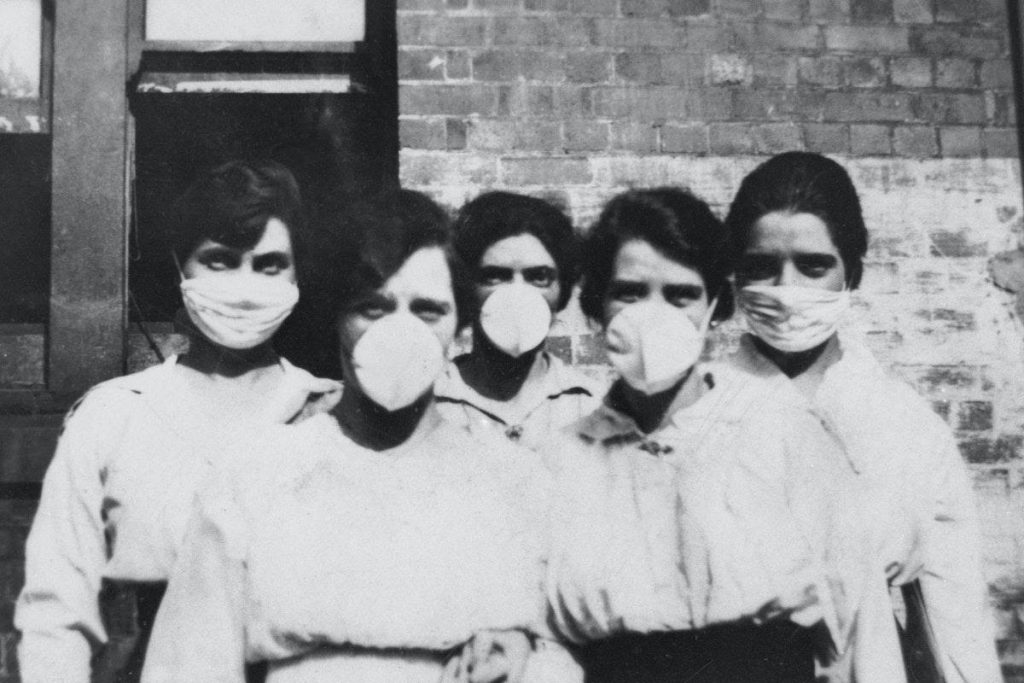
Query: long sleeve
(199, 634)
(952, 581)
(58, 612)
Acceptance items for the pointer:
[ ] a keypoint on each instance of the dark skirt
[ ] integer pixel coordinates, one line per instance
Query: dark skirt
(129, 610)
(777, 652)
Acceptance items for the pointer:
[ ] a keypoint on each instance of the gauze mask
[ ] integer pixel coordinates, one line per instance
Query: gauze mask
(516, 318)
(236, 311)
(791, 318)
(654, 345)
(397, 360)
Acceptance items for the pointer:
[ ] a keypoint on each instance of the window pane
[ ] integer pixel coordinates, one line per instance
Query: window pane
(255, 20)
(20, 49)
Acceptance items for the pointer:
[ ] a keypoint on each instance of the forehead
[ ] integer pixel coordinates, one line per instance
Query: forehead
(639, 261)
(518, 251)
(276, 238)
(424, 275)
(783, 232)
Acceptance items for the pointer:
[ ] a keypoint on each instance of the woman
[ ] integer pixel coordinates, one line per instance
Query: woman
(389, 537)
(799, 240)
(701, 535)
(118, 494)
(521, 254)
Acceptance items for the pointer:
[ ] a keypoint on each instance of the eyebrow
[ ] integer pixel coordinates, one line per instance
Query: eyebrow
(430, 301)
(693, 291)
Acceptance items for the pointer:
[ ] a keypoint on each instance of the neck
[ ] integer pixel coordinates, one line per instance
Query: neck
(374, 427)
(650, 411)
(802, 363)
(493, 373)
(214, 360)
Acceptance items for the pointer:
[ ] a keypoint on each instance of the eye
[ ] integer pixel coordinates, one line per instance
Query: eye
(429, 311)
(271, 264)
(219, 259)
(758, 267)
(815, 265)
(627, 292)
(682, 296)
(373, 308)
(541, 276)
(492, 276)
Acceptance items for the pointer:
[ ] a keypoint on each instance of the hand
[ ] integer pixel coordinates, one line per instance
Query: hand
(490, 657)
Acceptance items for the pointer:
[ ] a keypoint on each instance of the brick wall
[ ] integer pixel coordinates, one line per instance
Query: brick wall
(575, 100)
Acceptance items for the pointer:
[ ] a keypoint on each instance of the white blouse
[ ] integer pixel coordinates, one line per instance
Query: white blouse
(116, 502)
(341, 563)
(737, 509)
(914, 475)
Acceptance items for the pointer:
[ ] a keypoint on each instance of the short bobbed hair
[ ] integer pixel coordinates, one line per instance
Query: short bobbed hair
(494, 216)
(802, 182)
(231, 204)
(673, 221)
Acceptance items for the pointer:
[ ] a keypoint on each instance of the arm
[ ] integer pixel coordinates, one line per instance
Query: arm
(199, 634)
(58, 611)
(952, 582)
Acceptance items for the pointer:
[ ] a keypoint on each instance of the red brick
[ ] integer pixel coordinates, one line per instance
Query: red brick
(955, 73)
(956, 41)
(421, 64)
(529, 30)
(960, 141)
(970, 11)
(707, 37)
(731, 138)
(827, 138)
(773, 138)
(867, 72)
(735, 8)
(430, 169)
(638, 33)
(682, 69)
(868, 11)
(783, 10)
(406, 5)
(952, 108)
(634, 137)
(730, 69)
(455, 134)
(661, 103)
(590, 350)
(638, 67)
(496, 5)
(868, 106)
(996, 73)
(688, 8)
(883, 39)
(822, 71)
(984, 450)
(775, 71)
(538, 136)
(586, 136)
(644, 8)
(490, 134)
(974, 416)
(451, 100)
(1000, 143)
(587, 67)
(830, 10)
(422, 133)
(441, 30)
(1000, 109)
(544, 67)
(691, 138)
(517, 171)
(912, 11)
(777, 36)
(916, 142)
(777, 105)
(955, 244)
(911, 72)
(496, 65)
(870, 140)
(457, 65)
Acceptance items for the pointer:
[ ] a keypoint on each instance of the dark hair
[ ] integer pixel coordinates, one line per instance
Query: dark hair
(494, 216)
(802, 182)
(673, 221)
(232, 203)
(355, 251)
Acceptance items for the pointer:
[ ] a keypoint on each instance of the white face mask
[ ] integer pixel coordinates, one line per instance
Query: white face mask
(516, 318)
(397, 360)
(654, 345)
(239, 312)
(790, 318)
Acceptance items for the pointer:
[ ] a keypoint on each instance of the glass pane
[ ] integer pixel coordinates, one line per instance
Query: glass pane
(255, 20)
(20, 49)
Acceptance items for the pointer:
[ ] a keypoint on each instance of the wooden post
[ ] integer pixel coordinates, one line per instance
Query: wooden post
(87, 285)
